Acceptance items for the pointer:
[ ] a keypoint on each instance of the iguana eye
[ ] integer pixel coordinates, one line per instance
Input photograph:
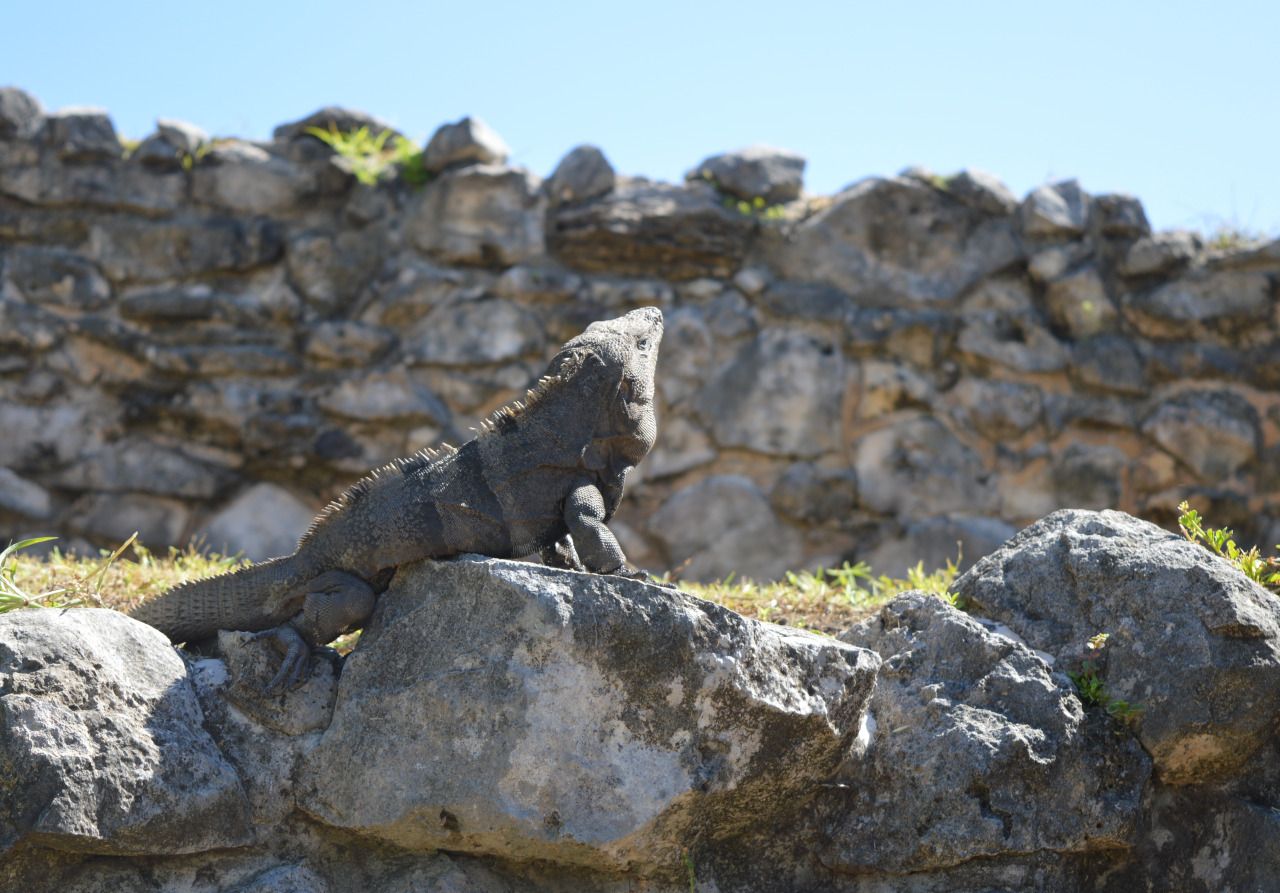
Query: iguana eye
(643, 344)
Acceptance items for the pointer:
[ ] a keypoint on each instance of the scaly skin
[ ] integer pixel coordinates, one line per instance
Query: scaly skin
(544, 475)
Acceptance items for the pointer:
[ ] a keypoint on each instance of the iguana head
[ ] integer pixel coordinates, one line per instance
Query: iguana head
(620, 357)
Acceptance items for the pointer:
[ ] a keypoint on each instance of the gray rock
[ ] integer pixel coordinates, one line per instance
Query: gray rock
(39, 436)
(344, 342)
(21, 115)
(1109, 363)
(1200, 305)
(1263, 257)
(1060, 210)
(542, 284)
(468, 141)
(262, 522)
(916, 467)
(145, 466)
(774, 175)
(1193, 643)
(890, 241)
(1052, 261)
(221, 359)
(101, 724)
(173, 145)
(982, 191)
(1159, 253)
(44, 275)
(17, 494)
(479, 215)
(467, 333)
(652, 229)
(681, 447)
(723, 525)
(82, 134)
(998, 410)
(153, 251)
(1013, 340)
(932, 543)
(888, 387)
(580, 176)
(343, 120)
(330, 269)
(111, 518)
(1121, 216)
(105, 184)
(815, 495)
(392, 396)
(781, 394)
(978, 751)
(1088, 477)
(1213, 433)
(1078, 304)
(501, 722)
(244, 178)
(183, 136)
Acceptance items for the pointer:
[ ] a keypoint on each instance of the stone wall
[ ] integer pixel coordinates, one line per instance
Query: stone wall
(209, 338)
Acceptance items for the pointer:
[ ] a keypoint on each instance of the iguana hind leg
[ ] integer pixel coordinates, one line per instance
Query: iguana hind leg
(563, 555)
(335, 602)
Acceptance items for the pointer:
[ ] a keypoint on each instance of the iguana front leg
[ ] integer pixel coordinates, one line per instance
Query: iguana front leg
(584, 514)
(335, 602)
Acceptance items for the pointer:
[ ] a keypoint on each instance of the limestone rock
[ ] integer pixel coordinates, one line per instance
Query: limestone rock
(934, 542)
(1159, 253)
(20, 114)
(262, 522)
(500, 729)
(1078, 304)
(391, 396)
(781, 394)
(1089, 477)
(1109, 363)
(345, 342)
(1120, 216)
(468, 141)
(898, 240)
(581, 175)
(82, 134)
(331, 269)
(244, 178)
(102, 726)
(483, 215)
(343, 120)
(466, 333)
(774, 175)
(144, 466)
(724, 525)
(815, 495)
(1014, 340)
(1199, 305)
(644, 228)
(114, 517)
(44, 275)
(152, 251)
(1192, 643)
(1060, 210)
(173, 145)
(17, 494)
(998, 410)
(979, 750)
(1213, 432)
(983, 191)
(916, 467)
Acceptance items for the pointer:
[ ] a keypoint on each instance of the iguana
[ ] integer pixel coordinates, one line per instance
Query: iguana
(542, 475)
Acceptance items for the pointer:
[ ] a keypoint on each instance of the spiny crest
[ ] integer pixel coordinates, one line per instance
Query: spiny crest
(506, 416)
(400, 466)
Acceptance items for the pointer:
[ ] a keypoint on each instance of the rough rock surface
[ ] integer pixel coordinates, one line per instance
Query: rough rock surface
(774, 175)
(1192, 642)
(544, 718)
(979, 749)
(100, 724)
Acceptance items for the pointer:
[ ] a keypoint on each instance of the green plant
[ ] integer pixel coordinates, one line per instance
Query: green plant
(128, 145)
(689, 870)
(756, 207)
(1263, 571)
(1228, 237)
(1091, 688)
(371, 158)
(12, 595)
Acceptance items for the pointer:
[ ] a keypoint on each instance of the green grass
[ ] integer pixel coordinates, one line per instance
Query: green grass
(1219, 540)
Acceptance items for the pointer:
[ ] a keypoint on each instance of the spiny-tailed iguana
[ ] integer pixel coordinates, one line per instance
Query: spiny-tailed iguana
(542, 475)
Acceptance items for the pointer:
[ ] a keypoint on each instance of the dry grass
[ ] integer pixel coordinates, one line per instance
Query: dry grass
(825, 601)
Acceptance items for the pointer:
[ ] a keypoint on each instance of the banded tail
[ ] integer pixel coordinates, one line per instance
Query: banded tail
(252, 598)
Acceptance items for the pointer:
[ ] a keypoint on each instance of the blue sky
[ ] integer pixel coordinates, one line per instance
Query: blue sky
(1177, 103)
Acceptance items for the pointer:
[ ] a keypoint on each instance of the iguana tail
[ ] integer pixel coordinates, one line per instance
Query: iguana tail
(252, 598)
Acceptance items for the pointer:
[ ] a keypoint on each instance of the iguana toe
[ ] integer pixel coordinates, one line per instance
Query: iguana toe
(297, 654)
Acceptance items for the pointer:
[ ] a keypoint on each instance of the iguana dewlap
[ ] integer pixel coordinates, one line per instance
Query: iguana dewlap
(543, 475)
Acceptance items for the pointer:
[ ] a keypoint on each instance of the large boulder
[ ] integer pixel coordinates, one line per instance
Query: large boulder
(1193, 644)
(534, 714)
(644, 228)
(100, 723)
(979, 750)
(758, 172)
(889, 241)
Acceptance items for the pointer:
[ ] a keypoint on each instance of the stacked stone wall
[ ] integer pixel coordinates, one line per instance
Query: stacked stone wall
(208, 338)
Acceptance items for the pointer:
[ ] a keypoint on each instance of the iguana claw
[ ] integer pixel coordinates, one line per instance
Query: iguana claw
(297, 653)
